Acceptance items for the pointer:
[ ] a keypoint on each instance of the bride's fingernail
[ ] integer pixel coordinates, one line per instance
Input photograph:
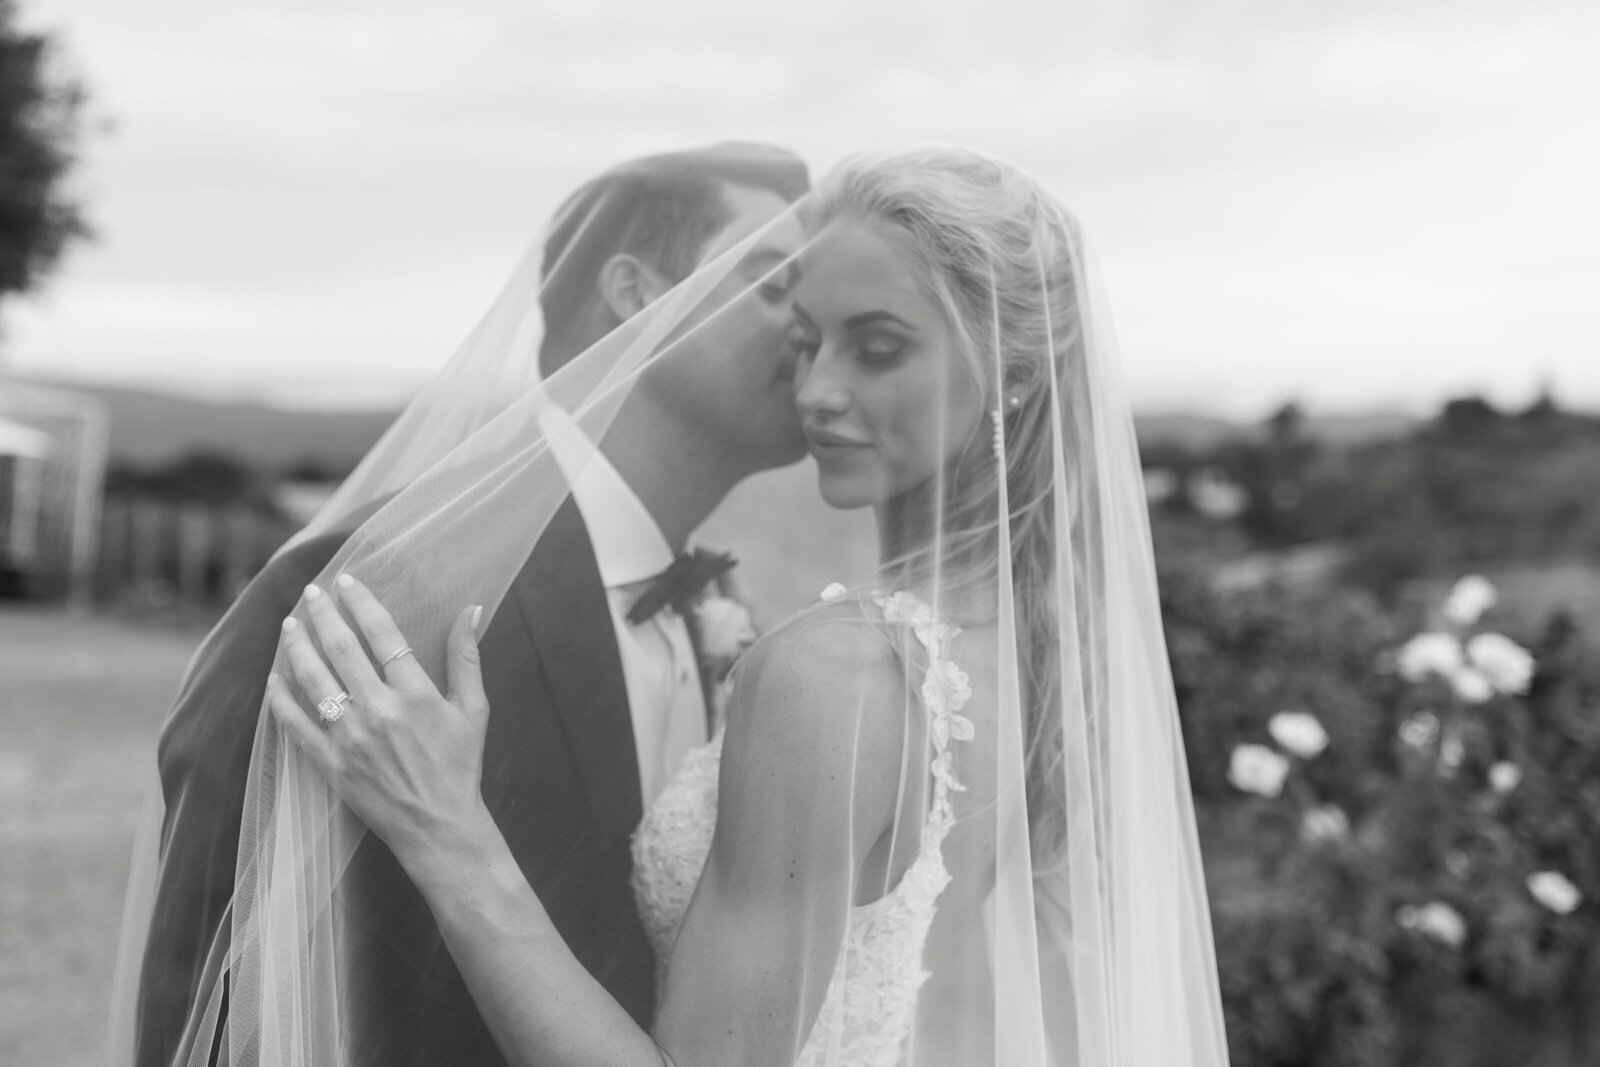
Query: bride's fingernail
(477, 617)
(290, 623)
(272, 677)
(344, 581)
(312, 592)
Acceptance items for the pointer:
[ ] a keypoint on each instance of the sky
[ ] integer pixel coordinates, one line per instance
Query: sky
(1357, 205)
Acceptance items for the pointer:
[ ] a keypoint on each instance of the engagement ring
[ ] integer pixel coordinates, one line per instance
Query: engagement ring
(331, 709)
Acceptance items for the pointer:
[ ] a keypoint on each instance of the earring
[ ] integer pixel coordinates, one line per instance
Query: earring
(1014, 402)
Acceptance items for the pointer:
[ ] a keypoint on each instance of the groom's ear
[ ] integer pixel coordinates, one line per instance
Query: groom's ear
(628, 283)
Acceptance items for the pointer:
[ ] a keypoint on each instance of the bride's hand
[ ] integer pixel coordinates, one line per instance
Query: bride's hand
(407, 760)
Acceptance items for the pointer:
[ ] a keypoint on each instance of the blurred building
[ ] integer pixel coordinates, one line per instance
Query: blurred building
(53, 446)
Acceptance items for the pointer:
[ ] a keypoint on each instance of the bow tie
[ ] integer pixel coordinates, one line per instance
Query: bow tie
(680, 583)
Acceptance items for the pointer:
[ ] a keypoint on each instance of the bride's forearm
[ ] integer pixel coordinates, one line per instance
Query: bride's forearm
(541, 1004)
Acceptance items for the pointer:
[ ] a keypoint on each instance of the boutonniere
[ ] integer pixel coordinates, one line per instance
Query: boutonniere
(726, 632)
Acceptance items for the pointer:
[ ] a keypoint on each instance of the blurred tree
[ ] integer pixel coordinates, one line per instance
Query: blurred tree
(38, 137)
(1274, 472)
(196, 477)
(1469, 416)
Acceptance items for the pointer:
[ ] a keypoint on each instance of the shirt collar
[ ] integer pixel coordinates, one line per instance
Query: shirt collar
(628, 545)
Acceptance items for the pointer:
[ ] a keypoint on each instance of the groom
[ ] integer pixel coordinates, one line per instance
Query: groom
(590, 710)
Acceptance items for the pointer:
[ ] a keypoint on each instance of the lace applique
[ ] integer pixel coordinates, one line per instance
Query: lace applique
(870, 1006)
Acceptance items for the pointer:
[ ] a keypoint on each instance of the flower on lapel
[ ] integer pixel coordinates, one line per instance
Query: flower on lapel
(726, 629)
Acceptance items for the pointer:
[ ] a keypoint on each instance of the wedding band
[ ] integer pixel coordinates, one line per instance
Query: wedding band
(403, 650)
(331, 709)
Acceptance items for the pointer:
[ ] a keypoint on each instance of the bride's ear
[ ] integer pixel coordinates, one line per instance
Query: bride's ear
(628, 284)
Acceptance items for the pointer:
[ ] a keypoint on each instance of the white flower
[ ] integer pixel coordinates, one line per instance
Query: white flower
(1504, 663)
(726, 628)
(1436, 920)
(1257, 769)
(833, 591)
(1298, 732)
(1469, 598)
(1554, 891)
(1471, 685)
(1452, 750)
(1429, 653)
(1327, 822)
(1504, 776)
(1421, 730)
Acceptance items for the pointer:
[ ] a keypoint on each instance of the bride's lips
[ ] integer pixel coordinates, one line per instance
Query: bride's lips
(826, 443)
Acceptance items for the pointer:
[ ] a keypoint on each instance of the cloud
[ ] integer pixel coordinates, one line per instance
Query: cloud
(1364, 201)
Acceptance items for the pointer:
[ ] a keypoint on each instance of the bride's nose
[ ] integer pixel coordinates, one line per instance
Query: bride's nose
(818, 391)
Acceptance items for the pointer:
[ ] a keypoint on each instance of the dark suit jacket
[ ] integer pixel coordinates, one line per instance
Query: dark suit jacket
(560, 776)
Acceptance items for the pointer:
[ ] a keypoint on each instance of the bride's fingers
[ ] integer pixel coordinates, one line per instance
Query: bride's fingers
(310, 673)
(463, 669)
(342, 647)
(388, 644)
(297, 723)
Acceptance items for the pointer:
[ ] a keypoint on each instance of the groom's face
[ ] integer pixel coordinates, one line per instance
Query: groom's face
(732, 369)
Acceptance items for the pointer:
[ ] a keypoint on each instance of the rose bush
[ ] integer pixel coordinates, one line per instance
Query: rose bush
(1419, 884)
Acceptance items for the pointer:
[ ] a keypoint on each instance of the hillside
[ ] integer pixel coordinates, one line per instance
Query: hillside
(149, 428)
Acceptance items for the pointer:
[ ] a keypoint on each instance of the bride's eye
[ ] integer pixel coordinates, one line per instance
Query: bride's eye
(881, 351)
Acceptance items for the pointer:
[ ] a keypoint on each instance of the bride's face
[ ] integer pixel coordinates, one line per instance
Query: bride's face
(885, 397)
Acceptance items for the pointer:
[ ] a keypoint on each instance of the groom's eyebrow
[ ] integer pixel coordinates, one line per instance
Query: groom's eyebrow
(765, 259)
(778, 265)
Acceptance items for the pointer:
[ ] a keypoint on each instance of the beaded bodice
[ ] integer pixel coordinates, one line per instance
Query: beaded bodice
(870, 1006)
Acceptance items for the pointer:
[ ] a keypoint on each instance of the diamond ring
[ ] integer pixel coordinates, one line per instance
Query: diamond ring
(331, 709)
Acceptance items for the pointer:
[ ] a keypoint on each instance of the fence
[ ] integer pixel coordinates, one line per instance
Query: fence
(182, 556)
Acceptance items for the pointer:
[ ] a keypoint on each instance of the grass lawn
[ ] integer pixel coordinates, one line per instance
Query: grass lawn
(81, 699)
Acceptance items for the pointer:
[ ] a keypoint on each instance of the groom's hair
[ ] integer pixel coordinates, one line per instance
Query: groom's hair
(662, 209)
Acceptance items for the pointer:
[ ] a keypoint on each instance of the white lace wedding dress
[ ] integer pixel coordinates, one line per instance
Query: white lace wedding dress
(870, 1005)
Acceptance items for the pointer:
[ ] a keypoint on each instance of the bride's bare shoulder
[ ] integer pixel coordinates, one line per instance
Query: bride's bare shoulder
(823, 698)
(835, 666)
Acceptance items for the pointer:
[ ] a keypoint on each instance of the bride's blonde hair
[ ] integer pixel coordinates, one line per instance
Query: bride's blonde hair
(996, 252)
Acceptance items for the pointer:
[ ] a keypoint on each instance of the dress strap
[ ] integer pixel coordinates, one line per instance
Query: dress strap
(945, 691)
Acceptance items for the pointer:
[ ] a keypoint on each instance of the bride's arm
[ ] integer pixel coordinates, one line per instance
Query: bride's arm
(810, 776)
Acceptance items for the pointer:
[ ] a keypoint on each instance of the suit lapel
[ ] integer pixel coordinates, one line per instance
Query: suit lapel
(563, 605)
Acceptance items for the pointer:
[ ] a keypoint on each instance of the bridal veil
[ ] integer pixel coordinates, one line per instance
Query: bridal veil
(1076, 931)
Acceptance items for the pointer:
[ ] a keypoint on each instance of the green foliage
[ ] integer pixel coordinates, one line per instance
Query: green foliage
(1322, 958)
(38, 134)
(1473, 483)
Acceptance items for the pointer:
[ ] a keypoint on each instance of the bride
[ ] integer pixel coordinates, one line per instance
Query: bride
(947, 818)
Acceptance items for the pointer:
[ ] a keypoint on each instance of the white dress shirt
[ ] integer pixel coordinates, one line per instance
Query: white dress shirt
(658, 661)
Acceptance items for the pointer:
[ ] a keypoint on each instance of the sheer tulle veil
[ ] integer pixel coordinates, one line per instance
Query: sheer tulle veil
(1074, 930)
